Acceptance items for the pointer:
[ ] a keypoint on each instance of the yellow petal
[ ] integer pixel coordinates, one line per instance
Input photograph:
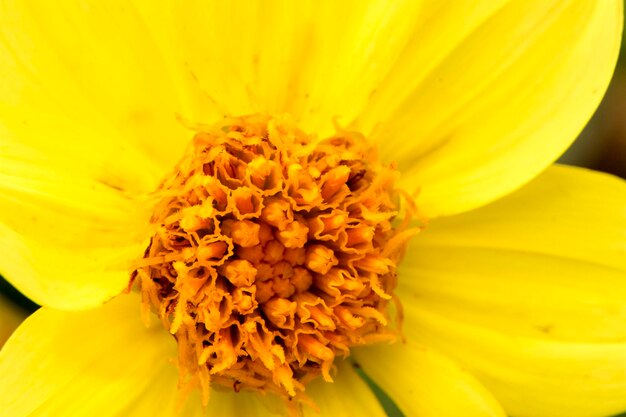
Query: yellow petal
(81, 363)
(228, 403)
(528, 293)
(481, 112)
(67, 162)
(161, 398)
(531, 256)
(10, 317)
(347, 396)
(530, 377)
(423, 383)
(312, 60)
(62, 277)
(87, 79)
(67, 240)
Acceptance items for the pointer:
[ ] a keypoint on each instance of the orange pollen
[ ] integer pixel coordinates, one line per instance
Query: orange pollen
(274, 253)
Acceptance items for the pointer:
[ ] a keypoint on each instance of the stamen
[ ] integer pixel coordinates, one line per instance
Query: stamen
(274, 253)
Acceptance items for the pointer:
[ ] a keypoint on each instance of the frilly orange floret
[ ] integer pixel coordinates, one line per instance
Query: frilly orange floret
(274, 253)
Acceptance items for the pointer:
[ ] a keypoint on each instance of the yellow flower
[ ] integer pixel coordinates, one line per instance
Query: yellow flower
(513, 294)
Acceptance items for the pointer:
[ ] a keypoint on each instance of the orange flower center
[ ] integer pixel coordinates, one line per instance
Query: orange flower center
(274, 253)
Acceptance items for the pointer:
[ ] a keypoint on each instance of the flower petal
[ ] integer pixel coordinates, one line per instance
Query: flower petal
(162, 397)
(81, 363)
(347, 396)
(68, 240)
(424, 383)
(314, 61)
(90, 71)
(68, 163)
(530, 377)
(528, 293)
(479, 114)
(531, 255)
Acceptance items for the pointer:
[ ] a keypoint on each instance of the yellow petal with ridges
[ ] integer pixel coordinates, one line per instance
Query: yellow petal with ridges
(62, 277)
(530, 377)
(68, 240)
(347, 396)
(312, 60)
(501, 105)
(70, 166)
(81, 363)
(95, 66)
(423, 383)
(438, 31)
(162, 397)
(550, 258)
(528, 293)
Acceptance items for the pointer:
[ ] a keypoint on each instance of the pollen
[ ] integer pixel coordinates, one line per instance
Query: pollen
(274, 253)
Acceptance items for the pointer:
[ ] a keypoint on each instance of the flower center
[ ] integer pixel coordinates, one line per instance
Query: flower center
(274, 253)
